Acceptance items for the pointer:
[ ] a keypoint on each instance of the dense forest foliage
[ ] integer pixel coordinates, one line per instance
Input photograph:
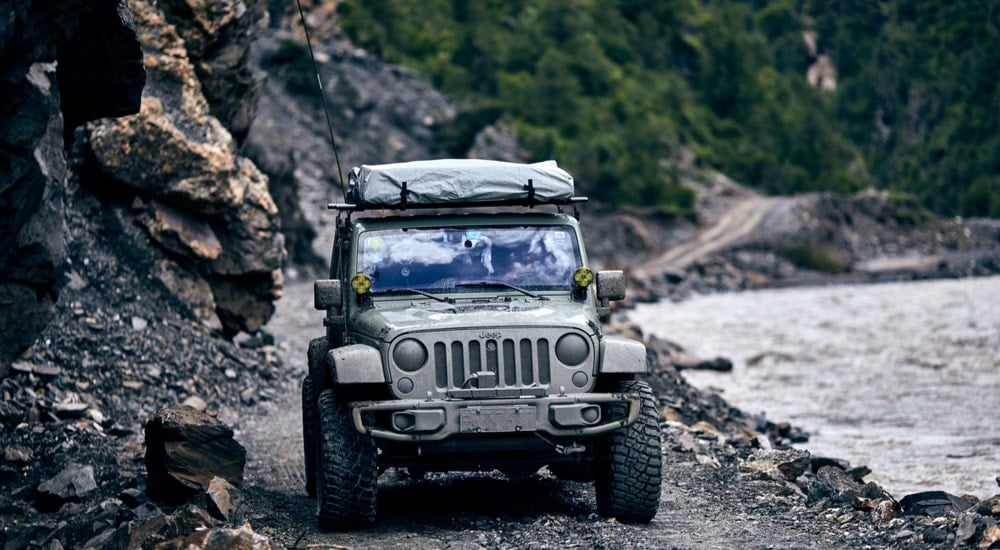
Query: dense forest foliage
(620, 91)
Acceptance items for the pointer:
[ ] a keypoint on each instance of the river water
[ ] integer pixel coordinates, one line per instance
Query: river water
(901, 377)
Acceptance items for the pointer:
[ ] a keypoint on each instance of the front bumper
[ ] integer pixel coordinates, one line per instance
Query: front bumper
(434, 420)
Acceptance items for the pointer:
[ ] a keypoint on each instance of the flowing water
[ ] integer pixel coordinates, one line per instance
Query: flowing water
(901, 377)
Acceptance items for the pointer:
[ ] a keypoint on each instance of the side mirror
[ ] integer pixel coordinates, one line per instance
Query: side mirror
(610, 286)
(328, 294)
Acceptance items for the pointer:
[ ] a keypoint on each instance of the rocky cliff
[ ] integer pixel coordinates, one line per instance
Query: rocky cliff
(379, 113)
(175, 168)
(177, 75)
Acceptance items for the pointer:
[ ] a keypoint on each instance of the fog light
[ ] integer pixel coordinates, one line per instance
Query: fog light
(418, 420)
(575, 415)
(361, 284)
(591, 414)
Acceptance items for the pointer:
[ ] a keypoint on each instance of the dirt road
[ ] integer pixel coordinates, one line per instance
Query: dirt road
(736, 223)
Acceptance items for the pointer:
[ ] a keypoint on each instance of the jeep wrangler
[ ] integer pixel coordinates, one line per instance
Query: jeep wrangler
(463, 333)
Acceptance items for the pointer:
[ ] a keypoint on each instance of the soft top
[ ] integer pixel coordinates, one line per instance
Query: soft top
(458, 181)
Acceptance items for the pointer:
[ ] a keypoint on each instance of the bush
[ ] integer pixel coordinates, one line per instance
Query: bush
(814, 257)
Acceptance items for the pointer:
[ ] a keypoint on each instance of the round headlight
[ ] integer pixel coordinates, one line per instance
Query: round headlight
(582, 277)
(572, 349)
(409, 355)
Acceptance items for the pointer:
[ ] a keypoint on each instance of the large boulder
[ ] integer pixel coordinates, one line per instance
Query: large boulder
(186, 450)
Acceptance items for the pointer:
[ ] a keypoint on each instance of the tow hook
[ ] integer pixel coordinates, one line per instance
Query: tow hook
(564, 450)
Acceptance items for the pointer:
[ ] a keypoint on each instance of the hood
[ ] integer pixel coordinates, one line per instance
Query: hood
(386, 323)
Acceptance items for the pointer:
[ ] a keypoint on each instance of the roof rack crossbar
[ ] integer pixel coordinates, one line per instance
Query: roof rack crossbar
(456, 204)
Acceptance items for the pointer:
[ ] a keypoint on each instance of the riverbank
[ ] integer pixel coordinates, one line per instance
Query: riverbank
(900, 377)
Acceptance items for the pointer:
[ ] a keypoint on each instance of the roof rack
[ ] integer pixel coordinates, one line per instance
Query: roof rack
(457, 183)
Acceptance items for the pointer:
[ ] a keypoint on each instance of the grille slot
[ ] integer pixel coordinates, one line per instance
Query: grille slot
(516, 362)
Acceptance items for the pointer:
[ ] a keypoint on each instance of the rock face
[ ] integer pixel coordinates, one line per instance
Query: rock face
(217, 37)
(206, 207)
(99, 73)
(181, 68)
(100, 67)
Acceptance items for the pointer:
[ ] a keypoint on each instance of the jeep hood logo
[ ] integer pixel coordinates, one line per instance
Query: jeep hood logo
(490, 335)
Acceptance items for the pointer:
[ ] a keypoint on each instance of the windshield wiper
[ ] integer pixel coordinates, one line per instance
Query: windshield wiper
(415, 291)
(501, 284)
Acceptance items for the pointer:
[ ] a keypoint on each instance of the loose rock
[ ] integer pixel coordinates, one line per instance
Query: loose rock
(185, 450)
(933, 503)
(222, 498)
(72, 483)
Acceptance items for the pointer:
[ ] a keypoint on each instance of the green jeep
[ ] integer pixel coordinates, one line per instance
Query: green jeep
(462, 333)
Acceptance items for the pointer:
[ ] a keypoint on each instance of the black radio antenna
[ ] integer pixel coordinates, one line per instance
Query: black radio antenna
(322, 95)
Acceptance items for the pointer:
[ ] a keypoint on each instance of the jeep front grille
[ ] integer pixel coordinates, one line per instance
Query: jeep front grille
(491, 363)
(514, 363)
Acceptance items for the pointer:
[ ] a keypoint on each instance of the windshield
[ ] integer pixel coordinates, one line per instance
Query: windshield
(458, 259)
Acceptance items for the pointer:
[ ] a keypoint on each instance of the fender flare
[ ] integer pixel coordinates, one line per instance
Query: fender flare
(621, 355)
(356, 364)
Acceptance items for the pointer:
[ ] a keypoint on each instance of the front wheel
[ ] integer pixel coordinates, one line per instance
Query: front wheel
(346, 469)
(629, 465)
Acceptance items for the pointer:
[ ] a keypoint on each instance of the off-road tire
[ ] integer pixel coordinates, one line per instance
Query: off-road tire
(629, 465)
(310, 433)
(346, 469)
(317, 380)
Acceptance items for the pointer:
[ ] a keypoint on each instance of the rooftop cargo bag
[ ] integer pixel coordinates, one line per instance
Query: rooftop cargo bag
(451, 181)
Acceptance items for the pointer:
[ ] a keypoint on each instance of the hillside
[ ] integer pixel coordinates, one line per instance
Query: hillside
(781, 96)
